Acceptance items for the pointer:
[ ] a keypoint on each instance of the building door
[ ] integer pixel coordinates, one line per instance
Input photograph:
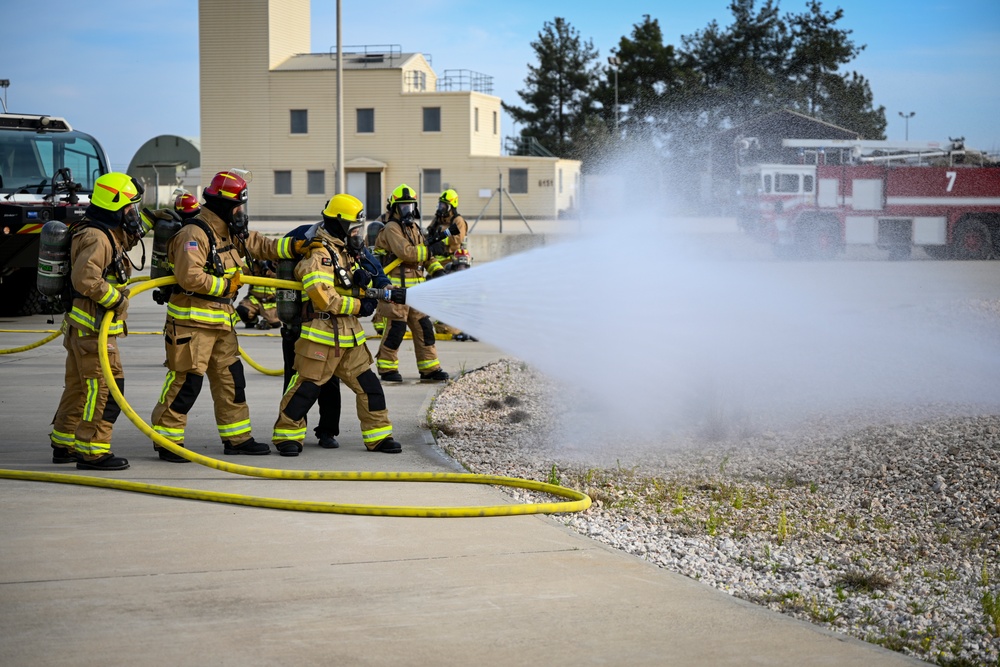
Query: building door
(374, 202)
(367, 186)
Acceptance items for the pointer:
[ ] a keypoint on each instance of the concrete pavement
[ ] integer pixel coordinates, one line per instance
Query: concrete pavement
(99, 577)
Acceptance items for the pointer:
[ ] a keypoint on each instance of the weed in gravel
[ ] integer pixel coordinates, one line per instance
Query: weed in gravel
(554, 476)
(868, 582)
(991, 607)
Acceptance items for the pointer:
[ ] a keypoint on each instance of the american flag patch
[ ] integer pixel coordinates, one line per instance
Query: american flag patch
(190, 245)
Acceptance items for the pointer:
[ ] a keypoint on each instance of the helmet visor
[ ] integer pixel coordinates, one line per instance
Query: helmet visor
(406, 209)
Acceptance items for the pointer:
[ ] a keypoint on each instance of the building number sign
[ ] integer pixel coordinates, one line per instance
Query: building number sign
(545, 182)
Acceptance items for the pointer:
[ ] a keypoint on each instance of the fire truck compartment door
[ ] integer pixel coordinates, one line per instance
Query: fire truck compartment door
(827, 195)
(930, 231)
(866, 194)
(859, 230)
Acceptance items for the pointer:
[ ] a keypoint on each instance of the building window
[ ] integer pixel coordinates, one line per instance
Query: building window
(432, 119)
(432, 181)
(518, 182)
(300, 121)
(366, 121)
(494, 122)
(282, 182)
(316, 182)
(475, 119)
(560, 181)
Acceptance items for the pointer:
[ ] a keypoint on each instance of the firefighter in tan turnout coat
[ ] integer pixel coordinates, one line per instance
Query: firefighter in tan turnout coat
(81, 428)
(208, 258)
(332, 341)
(404, 256)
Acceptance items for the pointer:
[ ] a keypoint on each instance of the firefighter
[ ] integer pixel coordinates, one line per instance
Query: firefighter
(446, 239)
(329, 402)
(332, 340)
(207, 255)
(400, 246)
(100, 269)
(259, 308)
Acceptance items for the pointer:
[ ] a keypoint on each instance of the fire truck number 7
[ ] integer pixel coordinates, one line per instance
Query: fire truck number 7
(951, 179)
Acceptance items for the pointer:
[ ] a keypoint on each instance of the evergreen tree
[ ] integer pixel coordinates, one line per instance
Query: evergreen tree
(559, 90)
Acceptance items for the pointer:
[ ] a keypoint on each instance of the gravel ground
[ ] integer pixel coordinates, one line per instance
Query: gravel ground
(882, 525)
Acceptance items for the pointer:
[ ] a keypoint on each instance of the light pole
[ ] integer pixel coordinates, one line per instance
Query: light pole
(615, 62)
(907, 117)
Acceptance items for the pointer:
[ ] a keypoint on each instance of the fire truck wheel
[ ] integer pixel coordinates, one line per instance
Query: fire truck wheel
(938, 251)
(818, 239)
(972, 240)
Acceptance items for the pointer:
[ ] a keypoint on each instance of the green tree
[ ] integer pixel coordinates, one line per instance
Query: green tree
(559, 90)
(850, 104)
(819, 48)
(647, 76)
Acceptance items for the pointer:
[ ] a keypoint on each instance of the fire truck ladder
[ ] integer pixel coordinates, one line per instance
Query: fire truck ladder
(862, 150)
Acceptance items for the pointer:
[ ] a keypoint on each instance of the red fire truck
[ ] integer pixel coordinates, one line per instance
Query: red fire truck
(891, 195)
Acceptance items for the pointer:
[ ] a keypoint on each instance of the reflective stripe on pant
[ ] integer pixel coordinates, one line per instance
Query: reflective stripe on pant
(194, 354)
(87, 413)
(424, 343)
(315, 366)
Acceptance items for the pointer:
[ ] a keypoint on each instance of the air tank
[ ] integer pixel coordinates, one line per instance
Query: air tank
(289, 301)
(163, 231)
(53, 258)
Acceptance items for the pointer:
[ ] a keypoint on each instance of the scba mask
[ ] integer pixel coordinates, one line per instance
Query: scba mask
(407, 211)
(355, 238)
(239, 223)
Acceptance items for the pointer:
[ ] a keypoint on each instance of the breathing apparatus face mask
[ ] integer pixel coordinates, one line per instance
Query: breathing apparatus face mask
(443, 208)
(407, 212)
(131, 221)
(355, 238)
(239, 222)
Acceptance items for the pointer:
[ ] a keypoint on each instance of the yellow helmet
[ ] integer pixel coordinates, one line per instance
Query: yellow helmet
(403, 193)
(343, 214)
(404, 201)
(114, 191)
(449, 197)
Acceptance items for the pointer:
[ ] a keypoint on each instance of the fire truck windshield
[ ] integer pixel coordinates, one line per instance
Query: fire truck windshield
(28, 159)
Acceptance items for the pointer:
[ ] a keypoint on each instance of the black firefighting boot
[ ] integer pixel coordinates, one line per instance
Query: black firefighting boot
(167, 455)
(328, 441)
(387, 446)
(104, 462)
(64, 455)
(434, 376)
(391, 376)
(288, 448)
(250, 447)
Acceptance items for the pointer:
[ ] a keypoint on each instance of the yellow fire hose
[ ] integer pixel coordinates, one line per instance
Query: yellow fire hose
(577, 501)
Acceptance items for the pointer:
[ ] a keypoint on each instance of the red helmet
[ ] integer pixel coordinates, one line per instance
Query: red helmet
(186, 205)
(229, 186)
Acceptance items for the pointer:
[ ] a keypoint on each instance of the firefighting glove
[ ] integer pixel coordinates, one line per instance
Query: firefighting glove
(367, 307)
(438, 248)
(304, 247)
(234, 283)
(121, 305)
(362, 278)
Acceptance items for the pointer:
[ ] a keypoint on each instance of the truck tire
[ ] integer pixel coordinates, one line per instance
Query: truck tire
(818, 238)
(972, 240)
(938, 251)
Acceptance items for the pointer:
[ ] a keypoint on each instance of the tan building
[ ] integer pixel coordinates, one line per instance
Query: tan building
(270, 106)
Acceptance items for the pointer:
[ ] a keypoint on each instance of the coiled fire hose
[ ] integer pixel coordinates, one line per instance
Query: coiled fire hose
(576, 502)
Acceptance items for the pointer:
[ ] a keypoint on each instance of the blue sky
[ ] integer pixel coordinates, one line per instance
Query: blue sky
(128, 71)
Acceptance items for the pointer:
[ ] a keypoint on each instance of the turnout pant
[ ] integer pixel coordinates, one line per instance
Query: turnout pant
(397, 318)
(87, 412)
(315, 366)
(329, 393)
(193, 354)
